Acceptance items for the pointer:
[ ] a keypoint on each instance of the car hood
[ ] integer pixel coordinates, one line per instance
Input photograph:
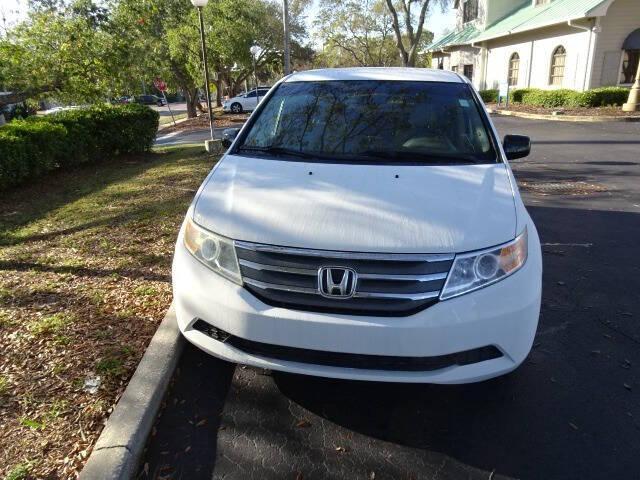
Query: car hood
(355, 207)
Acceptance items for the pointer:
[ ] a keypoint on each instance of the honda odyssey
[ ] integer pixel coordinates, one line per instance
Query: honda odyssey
(363, 224)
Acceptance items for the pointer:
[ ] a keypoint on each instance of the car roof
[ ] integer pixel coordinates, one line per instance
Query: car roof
(376, 73)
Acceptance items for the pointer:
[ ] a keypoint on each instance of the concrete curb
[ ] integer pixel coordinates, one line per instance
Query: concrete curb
(565, 118)
(119, 448)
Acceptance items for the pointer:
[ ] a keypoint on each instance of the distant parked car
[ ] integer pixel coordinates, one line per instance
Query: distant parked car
(123, 100)
(246, 101)
(151, 100)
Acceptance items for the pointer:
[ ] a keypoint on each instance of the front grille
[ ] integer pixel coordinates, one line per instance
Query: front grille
(349, 360)
(388, 284)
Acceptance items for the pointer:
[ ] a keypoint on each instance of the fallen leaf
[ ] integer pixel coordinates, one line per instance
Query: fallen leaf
(201, 422)
(341, 449)
(303, 424)
(299, 476)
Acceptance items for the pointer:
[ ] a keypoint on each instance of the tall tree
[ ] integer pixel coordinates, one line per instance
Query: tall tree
(361, 33)
(355, 33)
(56, 53)
(412, 22)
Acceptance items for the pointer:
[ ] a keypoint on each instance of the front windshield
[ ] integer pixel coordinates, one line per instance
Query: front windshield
(372, 120)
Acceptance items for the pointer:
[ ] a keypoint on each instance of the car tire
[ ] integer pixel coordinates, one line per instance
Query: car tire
(160, 104)
(236, 108)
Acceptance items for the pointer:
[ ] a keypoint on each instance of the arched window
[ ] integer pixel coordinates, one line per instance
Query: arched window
(556, 73)
(514, 69)
(630, 57)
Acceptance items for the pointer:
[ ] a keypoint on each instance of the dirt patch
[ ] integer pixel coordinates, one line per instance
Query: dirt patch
(85, 279)
(578, 111)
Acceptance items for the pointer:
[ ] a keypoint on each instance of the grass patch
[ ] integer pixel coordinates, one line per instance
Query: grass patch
(145, 291)
(31, 423)
(55, 323)
(85, 278)
(20, 471)
(110, 366)
(4, 385)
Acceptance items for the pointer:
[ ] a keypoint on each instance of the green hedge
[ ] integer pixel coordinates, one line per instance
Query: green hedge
(603, 97)
(598, 97)
(489, 96)
(550, 98)
(32, 147)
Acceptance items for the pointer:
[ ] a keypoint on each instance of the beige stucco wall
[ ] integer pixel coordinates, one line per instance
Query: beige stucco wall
(593, 59)
(535, 49)
(622, 18)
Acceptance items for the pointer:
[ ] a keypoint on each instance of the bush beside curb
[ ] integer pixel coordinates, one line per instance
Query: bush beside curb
(563, 97)
(564, 118)
(32, 147)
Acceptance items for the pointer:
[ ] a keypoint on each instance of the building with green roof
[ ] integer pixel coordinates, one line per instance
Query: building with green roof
(578, 44)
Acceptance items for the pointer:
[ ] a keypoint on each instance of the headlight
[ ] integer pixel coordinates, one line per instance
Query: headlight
(471, 271)
(214, 251)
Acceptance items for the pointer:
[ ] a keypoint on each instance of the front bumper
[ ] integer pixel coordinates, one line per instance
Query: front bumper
(503, 315)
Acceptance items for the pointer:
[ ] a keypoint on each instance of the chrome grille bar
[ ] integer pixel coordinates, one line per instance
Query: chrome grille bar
(313, 291)
(277, 268)
(365, 276)
(396, 257)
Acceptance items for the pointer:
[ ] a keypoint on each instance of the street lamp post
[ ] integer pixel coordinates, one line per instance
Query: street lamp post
(287, 48)
(200, 4)
(255, 51)
(633, 103)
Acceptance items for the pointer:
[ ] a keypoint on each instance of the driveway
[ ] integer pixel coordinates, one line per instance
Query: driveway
(571, 411)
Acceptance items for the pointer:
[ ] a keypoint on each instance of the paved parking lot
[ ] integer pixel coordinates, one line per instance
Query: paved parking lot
(572, 411)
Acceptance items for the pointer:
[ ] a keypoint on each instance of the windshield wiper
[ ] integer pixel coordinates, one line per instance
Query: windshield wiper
(408, 155)
(275, 150)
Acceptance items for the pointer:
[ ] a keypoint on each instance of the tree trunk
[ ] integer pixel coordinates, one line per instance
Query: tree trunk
(192, 102)
(219, 91)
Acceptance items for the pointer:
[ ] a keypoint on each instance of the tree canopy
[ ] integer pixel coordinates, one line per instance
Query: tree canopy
(90, 50)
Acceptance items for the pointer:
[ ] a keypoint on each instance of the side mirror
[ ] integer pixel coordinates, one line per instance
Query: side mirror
(228, 136)
(516, 146)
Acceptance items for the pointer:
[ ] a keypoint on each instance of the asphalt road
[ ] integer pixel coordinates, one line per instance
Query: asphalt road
(571, 411)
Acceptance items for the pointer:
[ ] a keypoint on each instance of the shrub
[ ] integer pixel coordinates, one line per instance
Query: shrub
(603, 97)
(551, 98)
(517, 94)
(489, 96)
(28, 149)
(32, 147)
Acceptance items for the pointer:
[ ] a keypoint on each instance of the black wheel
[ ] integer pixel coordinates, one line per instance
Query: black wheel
(236, 108)
(160, 104)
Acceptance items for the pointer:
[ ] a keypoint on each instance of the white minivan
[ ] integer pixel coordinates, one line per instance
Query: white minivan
(363, 224)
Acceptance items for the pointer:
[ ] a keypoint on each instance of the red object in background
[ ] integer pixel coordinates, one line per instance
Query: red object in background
(160, 85)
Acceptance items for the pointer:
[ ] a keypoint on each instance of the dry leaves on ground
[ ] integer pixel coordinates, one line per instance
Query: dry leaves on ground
(85, 261)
